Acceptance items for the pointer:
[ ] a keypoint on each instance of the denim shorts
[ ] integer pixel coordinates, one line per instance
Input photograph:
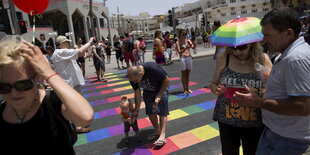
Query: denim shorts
(273, 144)
(149, 98)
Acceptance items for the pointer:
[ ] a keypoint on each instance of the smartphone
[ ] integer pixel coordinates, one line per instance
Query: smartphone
(230, 91)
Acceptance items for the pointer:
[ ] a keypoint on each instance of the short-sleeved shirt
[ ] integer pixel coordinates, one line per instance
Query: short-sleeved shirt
(64, 62)
(152, 79)
(289, 77)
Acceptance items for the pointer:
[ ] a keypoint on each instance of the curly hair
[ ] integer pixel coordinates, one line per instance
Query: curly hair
(256, 54)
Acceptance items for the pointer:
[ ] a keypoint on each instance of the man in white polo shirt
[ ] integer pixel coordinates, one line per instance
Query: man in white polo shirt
(286, 101)
(64, 61)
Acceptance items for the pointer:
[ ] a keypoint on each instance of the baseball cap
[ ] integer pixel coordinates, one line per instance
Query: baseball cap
(61, 39)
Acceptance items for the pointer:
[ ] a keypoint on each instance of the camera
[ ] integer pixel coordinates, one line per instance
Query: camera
(95, 41)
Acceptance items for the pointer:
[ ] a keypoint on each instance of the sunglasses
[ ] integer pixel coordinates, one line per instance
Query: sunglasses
(240, 48)
(22, 85)
(184, 34)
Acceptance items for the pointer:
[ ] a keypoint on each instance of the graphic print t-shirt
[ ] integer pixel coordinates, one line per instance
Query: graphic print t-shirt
(152, 79)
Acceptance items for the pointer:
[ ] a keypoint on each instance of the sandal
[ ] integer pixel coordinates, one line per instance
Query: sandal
(152, 137)
(160, 142)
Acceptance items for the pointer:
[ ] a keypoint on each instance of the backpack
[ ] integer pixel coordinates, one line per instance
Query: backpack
(56, 119)
(129, 44)
(142, 45)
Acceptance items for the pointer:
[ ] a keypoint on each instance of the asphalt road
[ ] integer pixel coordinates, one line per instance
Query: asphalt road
(190, 129)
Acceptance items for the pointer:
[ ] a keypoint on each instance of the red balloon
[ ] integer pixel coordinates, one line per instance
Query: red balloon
(32, 6)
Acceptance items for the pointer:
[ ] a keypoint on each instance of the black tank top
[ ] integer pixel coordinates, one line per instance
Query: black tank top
(233, 114)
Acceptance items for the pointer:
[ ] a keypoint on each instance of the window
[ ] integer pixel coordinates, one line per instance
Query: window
(243, 12)
(233, 13)
(264, 4)
(232, 1)
(243, 0)
(254, 10)
(253, 5)
(223, 14)
(218, 10)
(101, 20)
(232, 8)
(243, 7)
(265, 9)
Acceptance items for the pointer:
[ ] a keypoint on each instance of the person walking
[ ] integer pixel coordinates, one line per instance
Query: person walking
(285, 103)
(99, 60)
(64, 62)
(142, 46)
(127, 49)
(168, 47)
(118, 52)
(82, 56)
(154, 81)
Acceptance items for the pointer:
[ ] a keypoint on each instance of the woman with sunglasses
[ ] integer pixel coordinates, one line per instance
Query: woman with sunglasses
(25, 121)
(237, 124)
(183, 46)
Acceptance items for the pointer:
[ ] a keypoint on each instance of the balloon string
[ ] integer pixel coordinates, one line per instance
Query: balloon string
(33, 26)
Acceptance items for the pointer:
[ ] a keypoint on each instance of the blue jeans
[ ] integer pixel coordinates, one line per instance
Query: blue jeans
(271, 143)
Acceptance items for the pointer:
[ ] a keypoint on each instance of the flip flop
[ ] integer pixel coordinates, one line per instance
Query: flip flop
(160, 142)
(152, 137)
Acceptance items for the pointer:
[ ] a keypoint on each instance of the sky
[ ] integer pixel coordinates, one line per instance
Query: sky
(134, 7)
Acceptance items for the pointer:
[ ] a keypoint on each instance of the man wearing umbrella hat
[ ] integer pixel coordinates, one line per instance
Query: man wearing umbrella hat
(286, 101)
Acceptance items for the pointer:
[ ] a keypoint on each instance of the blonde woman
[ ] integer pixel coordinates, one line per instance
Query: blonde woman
(159, 48)
(237, 124)
(25, 117)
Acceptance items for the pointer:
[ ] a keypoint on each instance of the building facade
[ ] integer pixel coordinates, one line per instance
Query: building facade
(65, 17)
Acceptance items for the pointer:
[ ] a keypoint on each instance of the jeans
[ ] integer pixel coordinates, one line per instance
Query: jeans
(271, 143)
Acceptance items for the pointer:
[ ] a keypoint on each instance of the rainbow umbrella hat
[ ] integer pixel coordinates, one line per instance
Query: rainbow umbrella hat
(238, 32)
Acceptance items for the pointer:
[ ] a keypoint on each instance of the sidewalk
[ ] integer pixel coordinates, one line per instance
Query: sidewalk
(112, 67)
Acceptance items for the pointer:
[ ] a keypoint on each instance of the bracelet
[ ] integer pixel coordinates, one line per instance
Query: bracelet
(50, 77)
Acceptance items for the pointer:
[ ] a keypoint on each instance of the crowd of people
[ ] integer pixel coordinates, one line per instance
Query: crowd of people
(270, 117)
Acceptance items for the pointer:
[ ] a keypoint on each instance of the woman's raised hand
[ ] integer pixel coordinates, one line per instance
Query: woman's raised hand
(36, 58)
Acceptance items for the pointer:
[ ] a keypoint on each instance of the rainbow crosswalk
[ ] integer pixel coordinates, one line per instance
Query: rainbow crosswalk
(108, 94)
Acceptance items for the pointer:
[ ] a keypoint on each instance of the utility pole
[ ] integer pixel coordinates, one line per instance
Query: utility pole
(120, 32)
(14, 18)
(92, 29)
(173, 20)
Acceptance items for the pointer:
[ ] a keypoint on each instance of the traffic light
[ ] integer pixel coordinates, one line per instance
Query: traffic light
(208, 23)
(22, 26)
(170, 22)
(177, 22)
(203, 23)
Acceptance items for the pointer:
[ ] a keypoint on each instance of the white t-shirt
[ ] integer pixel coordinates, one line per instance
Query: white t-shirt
(64, 62)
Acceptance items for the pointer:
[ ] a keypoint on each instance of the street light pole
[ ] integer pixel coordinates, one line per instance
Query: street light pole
(91, 18)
